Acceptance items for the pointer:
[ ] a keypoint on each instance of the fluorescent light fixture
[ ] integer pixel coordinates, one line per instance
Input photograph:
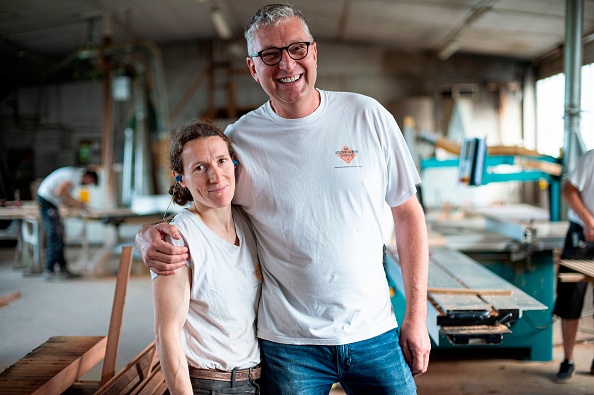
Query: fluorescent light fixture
(448, 50)
(221, 26)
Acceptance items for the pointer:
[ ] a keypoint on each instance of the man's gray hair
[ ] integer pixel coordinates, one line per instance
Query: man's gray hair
(272, 14)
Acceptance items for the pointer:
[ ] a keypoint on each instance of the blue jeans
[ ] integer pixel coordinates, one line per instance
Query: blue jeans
(369, 367)
(54, 231)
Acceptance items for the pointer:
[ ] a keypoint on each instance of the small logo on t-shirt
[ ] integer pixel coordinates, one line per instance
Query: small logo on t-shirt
(346, 154)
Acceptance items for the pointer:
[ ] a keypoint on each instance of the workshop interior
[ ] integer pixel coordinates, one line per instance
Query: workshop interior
(494, 99)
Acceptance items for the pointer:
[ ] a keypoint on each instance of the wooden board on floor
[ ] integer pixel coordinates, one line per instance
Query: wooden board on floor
(9, 297)
(53, 366)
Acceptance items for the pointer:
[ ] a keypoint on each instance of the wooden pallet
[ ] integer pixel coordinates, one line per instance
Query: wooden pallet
(53, 366)
(57, 364)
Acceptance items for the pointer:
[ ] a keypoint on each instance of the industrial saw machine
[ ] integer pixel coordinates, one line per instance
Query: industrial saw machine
(491, 281)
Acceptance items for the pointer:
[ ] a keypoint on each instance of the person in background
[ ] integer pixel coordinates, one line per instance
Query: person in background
(318, 172)
(55, 190)
(205, 315)
(578, 193)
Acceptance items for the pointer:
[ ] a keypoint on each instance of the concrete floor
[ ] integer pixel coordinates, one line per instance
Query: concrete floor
(82, 307)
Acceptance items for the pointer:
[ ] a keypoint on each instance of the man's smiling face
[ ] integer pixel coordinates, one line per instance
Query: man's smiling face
(291, 83)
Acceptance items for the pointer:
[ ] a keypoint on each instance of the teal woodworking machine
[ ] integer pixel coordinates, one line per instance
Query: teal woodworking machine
(479, 164)
(492, 272)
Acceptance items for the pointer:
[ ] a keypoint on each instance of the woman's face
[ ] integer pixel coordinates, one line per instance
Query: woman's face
(209, 172)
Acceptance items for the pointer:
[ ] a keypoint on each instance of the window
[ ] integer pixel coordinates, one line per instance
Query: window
(550, 108)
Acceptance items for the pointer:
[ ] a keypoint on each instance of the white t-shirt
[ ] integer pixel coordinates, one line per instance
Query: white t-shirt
(582, 178)
(220, 329)
(316, 190)
(48, 186)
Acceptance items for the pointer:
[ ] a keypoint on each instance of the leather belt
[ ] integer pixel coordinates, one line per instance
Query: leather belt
(221, 375)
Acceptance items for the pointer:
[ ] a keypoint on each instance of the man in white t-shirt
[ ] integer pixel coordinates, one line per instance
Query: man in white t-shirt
(578, 193)
(318, 172)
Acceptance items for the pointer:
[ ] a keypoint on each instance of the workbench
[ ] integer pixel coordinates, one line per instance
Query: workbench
(30, 238)
(26, 219)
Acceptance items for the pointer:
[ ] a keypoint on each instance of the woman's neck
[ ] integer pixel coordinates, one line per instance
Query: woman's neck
(220, 221)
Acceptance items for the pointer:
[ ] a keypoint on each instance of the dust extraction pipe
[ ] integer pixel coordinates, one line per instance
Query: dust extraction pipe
(572, 145)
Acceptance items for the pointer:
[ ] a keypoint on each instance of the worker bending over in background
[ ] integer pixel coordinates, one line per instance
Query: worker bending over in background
(54, 190)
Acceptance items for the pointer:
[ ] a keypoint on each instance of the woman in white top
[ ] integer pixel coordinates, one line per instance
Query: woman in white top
(205, 315)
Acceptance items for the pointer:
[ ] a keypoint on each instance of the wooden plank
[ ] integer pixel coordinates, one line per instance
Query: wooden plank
(469, 291)
(132, 374)
(573, 277)
(9, 297)
(117, 314)
(582, 266)
(152, 385)
(546, 167)
(53, 366)
(474, 329)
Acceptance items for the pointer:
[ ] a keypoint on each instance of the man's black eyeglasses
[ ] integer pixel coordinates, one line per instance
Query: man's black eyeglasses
(273, 56)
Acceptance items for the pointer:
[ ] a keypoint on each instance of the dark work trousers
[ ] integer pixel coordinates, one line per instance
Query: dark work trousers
(570, 295)
(54, 231)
